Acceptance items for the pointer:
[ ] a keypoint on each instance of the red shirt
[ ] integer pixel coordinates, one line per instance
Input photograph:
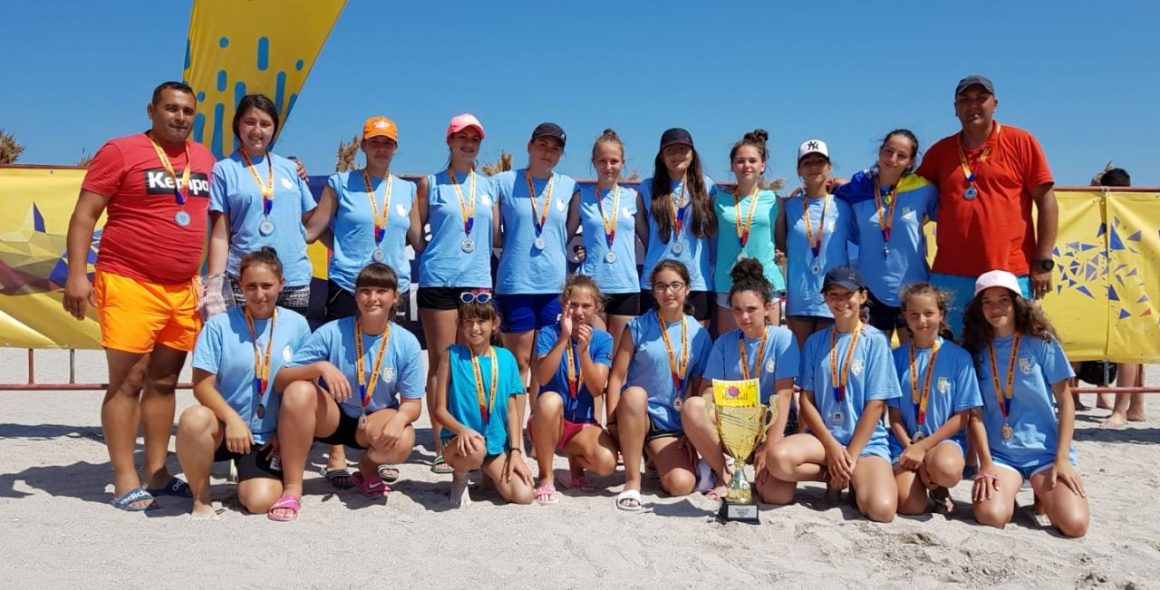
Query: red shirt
(141, 239)
(994, 230)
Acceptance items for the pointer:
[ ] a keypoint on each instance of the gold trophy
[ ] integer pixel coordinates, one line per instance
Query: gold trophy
(741, 423)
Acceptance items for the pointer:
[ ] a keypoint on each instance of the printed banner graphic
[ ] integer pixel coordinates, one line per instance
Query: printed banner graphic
(227, 57)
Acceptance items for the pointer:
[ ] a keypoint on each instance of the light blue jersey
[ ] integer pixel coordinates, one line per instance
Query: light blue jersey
(695, 253)
(446, 262)
(234, 192)
(463, 394)
(953, 389)
(225, 349)
(402, 373)
(650, 367)
(525, 269)
(354, 227)
(616, 275)
(759, 244)
(805, 270)
(871, 377)
(580, 408)
(781, 359)
(1034, 424)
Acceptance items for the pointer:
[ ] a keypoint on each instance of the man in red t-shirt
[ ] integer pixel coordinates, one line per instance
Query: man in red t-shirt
(988, 175)
(154, 187)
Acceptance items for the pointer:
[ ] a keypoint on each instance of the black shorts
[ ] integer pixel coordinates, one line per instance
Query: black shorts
(885, 317)
(345, 433)
(340, 303)
(655, 433)
(623, 304)
(702, 302)
(255, 464)
(441, 298)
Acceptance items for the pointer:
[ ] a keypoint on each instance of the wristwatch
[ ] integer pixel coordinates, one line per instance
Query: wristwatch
(1046, 265)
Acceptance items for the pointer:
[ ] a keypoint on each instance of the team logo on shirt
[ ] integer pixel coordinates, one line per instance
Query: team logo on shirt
(830, 225)
(560, 206)
(944, 385)
(627, 214)
(389, 374)
(908, 212)
(400, 210)
(485, 199)
(857, 367)
(286, 183)
(287, 354)
(1025, 365)
(770, 365)
(159, 182)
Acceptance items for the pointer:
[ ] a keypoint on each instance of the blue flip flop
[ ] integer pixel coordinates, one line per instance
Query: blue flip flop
(174, 487)
(128, 501)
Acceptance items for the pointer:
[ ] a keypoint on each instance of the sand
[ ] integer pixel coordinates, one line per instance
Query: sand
(58, 529)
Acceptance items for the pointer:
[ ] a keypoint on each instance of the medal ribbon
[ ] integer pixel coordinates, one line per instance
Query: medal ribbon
(467, 208)
(840, 384)
(815, 245)
(261, 362)
(967, 172)
(886, 217)
(382, 216)
(574, 370)
(485, 405)
(745, 372)
(609, 225)
(165, 163)
(267, 188)
(539, 218)
(921, 398)
(679, 210)
(1004, 396)
(743, 230)
(367, 391)
(677, 368)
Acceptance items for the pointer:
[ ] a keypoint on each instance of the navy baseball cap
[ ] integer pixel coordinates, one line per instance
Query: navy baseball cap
(676, 136)
(550, 130)
(846, 277)
(975, 80)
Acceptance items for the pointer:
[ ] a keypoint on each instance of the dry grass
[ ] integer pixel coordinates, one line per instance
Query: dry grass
(85, 160)
(347, 155)
(10, 150)
(503, 164)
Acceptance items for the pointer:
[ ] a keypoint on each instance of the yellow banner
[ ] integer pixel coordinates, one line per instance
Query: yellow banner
(257, 46)
(742, 394)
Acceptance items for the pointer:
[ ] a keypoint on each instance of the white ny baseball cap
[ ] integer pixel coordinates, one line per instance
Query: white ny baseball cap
(813, 146)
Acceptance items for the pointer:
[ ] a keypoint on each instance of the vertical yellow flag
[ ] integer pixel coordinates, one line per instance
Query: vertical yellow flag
(257, 46)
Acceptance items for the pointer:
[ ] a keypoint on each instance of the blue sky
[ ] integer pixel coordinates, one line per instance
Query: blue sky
(1073, 73)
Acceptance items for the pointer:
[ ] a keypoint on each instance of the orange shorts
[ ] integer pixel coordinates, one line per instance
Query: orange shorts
(137, 315)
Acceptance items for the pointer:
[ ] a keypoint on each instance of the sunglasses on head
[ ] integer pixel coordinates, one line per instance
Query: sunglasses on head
(480, 296)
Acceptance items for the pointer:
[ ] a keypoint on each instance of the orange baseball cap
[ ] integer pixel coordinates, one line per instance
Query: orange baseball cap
(381, 127)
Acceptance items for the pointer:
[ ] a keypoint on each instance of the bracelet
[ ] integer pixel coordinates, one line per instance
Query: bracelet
(510, 451)
(985, 475)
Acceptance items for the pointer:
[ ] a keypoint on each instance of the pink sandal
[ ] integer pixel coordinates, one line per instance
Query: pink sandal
(286, 502)
(372, 487)
(546, 494)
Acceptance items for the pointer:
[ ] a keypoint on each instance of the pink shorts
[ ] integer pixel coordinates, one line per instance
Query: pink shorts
(568, 430)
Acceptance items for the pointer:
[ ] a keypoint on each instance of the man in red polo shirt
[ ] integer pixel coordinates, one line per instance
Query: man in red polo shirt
(154, 187)
(988, 175)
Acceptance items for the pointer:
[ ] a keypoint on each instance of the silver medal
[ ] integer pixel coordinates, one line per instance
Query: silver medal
(610, 257)
(378, 255)
(362, 422)
(677, 403)
(970, 193)
(468, 246)
(918, 436)
(266, 227)
(678, 247)
(182, 218)
(816, 268)
(539, 243)
(886, 251)
(837, 418)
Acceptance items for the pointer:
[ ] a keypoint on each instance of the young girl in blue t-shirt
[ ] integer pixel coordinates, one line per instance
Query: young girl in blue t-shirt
(927, 439)
(571, 368)
(482, 424)
(1024, 431)
(846, 378)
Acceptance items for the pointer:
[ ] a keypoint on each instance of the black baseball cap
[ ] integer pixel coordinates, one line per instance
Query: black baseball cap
(676, 136)
(974, 80)
(550, 130)
(847, 277)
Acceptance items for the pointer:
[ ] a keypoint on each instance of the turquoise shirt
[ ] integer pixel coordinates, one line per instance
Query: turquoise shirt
(463, 396)
(759, 245)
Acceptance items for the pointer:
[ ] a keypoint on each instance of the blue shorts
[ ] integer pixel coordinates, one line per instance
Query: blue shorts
(1027, 470)
(876, 451)
(962, 290)
(523, 313)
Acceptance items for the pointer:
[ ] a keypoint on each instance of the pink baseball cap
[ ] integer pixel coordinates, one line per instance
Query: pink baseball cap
(997, 278)
(464, 121)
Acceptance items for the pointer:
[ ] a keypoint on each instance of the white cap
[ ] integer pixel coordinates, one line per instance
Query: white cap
(813, 146)
(997, 278)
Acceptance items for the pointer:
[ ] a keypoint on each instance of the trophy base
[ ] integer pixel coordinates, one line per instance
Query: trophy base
(746, 513)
